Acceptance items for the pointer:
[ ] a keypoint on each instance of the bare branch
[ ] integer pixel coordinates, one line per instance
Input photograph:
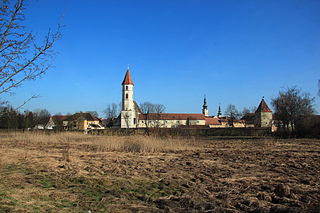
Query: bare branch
(21, 57)
(26, 101)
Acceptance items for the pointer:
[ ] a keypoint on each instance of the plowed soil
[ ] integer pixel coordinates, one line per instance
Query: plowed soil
(206, 175)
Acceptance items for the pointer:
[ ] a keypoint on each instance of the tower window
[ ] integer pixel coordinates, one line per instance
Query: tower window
(126, 87)
(127, 96)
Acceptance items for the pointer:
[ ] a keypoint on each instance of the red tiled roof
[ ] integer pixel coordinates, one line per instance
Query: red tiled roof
(171, 116)
(249, 116)
(213, 121)
(137, 107)
(263, 107)
(60, 117)
(127, 79)
(223, 120)
(82, 115)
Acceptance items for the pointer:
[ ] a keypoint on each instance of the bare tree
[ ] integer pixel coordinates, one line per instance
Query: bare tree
(291, 106)
(94, 113)
(11, 118)
(112, 110)
(148, 108)
(247, 110)
(29, 120)
(232, 113)
(22, 58)
(8, 117)
(41, 117)
(159, 108)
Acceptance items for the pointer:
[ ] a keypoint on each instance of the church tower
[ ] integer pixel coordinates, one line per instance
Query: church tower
(128, 115)
(205, 110)
(219, 112)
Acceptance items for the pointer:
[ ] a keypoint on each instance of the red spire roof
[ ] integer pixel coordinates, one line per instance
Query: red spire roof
(127, 79)
(263, 107)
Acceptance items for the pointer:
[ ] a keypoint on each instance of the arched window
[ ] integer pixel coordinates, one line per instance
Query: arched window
(127, 96)
(126, 87)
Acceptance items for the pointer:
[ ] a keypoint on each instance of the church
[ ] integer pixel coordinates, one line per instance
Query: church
(132, 117)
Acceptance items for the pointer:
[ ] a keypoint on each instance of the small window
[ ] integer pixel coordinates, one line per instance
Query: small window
(126, 87)
(134, 120)
(127, 96)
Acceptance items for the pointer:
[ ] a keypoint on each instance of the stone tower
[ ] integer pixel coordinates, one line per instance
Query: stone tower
(263, 115)
(205, 110)
(128, 114)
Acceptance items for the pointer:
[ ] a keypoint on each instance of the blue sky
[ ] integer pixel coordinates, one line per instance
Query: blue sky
(235, 52)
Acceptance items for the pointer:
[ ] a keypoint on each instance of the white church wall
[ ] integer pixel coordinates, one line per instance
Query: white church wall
(169, 123)
(127, 97)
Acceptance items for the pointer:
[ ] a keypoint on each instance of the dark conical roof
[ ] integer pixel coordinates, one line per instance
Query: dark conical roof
(263, 107)
(205, 101)
(127, 79)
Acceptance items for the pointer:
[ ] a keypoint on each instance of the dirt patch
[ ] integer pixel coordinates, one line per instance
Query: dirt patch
(77, 174)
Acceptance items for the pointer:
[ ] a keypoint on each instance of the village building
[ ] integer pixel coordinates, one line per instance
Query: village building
(77, 121)
(249, 119)
(171, 120)
(56, 122)
(81, 121)
(132, 117)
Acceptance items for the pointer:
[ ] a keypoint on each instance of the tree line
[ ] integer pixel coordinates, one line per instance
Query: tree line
(11, 118)
(295, 114)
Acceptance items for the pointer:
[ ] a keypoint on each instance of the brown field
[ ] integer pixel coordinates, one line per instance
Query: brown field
(69, 172)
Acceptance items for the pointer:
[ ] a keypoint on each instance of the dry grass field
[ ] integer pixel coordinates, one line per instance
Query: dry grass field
(69, 172)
